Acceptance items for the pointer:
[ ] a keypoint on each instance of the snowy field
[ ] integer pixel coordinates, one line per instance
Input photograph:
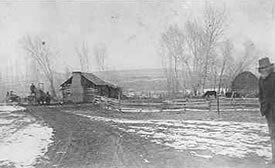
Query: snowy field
(201, 138)
(23, 139)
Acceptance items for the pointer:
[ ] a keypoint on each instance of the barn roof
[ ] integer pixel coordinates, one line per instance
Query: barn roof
(68, 81)
(96, 80)
(245, 82)
(91, 77)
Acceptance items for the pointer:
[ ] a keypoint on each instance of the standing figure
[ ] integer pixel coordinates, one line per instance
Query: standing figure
(7, 96)
(267, 97)
(32, 88)
(48, 98)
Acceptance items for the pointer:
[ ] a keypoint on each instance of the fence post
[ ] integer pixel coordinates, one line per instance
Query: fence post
(184, 106)
(209, 105)
(119, 102)
(218, 105)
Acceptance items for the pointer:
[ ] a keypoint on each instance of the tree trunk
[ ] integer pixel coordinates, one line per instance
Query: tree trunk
(205, 69)
(53, 93)
(176, 76)
(221, 75)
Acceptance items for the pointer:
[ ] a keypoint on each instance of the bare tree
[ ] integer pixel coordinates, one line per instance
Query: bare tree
(213, 71)
(195, 41)
(41, 52)
(166, 63)
(226, 57)
(243, 63)
(173, 47)
(83, 55)
(214, 24)
(203, 40)
(100, 52)
(67, 72)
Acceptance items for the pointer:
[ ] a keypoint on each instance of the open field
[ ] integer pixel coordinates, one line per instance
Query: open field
(85, 136)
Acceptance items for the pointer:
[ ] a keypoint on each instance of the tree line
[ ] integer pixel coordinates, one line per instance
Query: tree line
(199, 55)
(45, 57)
(194, 56)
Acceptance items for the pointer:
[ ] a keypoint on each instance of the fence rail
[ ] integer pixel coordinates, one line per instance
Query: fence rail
(224, 104)
(206, 104)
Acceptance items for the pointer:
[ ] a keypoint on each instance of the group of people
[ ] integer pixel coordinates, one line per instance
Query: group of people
(41, 98)
(12, 97)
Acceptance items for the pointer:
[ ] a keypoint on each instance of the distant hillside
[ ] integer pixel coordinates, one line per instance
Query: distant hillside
(139, 80)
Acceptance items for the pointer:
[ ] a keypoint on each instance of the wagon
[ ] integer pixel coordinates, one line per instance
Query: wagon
(12, 97)
(38, 96)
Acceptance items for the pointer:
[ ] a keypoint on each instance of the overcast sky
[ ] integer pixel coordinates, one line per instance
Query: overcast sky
(129, 28)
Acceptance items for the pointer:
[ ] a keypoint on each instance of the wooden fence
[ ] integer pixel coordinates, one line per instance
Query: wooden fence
(220, 104)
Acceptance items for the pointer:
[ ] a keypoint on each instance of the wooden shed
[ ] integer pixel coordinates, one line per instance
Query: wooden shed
(246, 84)
(83, 87)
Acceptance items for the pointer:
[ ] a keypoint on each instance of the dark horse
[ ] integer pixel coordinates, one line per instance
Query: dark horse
(210, 93)
(37, 96)
(232, 95)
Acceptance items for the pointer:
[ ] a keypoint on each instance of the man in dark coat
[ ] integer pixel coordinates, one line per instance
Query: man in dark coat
(267, 97)
(48, 98)
(32, 88)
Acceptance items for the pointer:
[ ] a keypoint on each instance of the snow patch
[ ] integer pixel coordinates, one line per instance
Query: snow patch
(26, 145)
(7, 108)
(152, 110)
(23, 140)
(233, 139)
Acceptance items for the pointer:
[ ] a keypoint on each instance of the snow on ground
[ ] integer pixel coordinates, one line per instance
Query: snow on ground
(152, 110)
(6, 108)
(202, 138)
(23, 139)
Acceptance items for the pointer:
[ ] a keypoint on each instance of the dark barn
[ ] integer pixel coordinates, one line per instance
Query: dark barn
(246, 84)
(83, 87)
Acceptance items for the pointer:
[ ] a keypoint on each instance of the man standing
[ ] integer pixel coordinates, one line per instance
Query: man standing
(267, 97)
(48, 98)
(32, 88)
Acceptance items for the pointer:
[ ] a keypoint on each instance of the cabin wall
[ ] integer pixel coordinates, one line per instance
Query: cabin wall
(83, 90)
(66, 93)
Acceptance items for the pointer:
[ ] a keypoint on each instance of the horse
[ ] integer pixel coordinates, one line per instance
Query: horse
(210, 93)
(37, 96)
(232, 94)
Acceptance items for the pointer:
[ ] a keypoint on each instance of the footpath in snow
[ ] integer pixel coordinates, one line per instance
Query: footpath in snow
(202, 138)
(23, 139)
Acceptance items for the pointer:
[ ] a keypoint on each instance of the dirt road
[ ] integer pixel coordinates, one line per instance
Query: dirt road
(81, 141)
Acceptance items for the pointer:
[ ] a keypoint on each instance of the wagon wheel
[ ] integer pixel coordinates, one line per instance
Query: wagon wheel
(31, 99)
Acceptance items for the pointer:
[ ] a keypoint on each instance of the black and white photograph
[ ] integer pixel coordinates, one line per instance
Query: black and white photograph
(137, 84)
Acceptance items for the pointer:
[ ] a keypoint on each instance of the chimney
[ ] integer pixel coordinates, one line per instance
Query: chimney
(77, 91)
